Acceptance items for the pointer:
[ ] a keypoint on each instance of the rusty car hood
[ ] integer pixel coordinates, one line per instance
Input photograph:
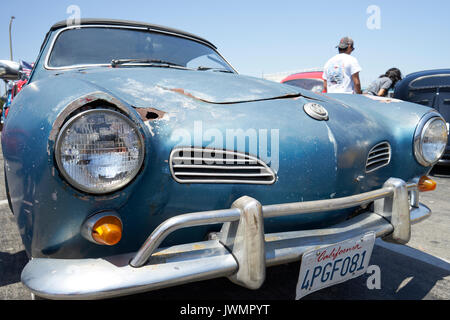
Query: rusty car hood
(141, 87)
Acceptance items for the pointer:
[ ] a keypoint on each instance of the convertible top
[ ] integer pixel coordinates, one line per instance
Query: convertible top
(127, 23)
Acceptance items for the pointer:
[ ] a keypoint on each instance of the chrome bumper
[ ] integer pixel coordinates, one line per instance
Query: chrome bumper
(240, 251)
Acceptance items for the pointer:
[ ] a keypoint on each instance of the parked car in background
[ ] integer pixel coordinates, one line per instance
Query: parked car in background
(153, 163)
(311, 80)
(13, 86)
(430, 88)
(14, 89)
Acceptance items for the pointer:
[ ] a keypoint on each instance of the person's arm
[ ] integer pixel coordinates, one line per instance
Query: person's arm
(357, 83)
(385, 85)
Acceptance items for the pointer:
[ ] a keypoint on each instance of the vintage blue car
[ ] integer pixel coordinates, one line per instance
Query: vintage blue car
(137, 158)
(430, 88)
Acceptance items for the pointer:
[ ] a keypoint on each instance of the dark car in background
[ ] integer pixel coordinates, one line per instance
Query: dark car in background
(430, 88)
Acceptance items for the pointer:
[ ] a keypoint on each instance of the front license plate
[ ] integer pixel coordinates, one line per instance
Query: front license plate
(324, 267)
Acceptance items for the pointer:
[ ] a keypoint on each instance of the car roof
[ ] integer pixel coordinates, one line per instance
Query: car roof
(127, 23)
(427, 73)
(304, 75)
(402, 89)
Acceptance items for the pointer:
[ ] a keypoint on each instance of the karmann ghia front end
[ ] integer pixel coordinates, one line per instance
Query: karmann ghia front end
(136, 158)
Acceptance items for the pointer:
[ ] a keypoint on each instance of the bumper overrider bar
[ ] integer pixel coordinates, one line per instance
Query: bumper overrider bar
(241, 251)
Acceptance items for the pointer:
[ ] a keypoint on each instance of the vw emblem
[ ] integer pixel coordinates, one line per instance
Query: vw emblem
(315, 111)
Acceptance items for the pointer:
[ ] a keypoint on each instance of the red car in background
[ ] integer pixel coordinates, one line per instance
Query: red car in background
(311, 80)
(14, 87)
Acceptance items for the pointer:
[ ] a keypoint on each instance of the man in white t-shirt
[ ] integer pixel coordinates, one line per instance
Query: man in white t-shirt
(341, 72)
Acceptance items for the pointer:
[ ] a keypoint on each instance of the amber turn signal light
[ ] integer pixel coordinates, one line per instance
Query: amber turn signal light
(426, 184)
(107, 230)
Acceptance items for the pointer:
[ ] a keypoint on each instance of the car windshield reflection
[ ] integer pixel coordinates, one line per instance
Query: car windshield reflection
(87, 46)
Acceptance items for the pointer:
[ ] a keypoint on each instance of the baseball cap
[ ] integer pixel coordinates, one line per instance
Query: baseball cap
(345, 43)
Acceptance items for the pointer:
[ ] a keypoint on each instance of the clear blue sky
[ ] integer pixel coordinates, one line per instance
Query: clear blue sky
(261, 37)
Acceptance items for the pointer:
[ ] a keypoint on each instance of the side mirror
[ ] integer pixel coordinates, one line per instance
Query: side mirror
(9, 70)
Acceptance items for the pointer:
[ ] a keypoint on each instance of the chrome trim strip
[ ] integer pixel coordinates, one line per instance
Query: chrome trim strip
(373, 155)
(440, 75)
(214, 160)
(190, 166)
(58, 33)
(79, 102)
(372, 162)
(198, 158)
(244, 175)
(277, 252)
(379, 155)
(284, 209)
(420, 129)
(179, 222)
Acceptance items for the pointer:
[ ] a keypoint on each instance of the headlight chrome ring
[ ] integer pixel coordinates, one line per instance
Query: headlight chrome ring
(99, 151)
(430, 139)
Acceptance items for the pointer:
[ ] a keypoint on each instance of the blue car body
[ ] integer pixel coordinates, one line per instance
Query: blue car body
(316, 160)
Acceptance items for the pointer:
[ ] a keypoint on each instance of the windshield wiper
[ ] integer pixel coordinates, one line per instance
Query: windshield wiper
(201, 68)
(151, 62)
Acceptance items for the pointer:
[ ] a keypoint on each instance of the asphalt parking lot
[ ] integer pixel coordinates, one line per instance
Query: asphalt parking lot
(418, 271)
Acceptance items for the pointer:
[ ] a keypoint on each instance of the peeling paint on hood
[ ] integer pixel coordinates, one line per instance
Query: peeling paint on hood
(143, 86)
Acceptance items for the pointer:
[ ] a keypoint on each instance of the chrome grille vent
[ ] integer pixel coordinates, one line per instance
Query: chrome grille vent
(203, 165)
(379, 156)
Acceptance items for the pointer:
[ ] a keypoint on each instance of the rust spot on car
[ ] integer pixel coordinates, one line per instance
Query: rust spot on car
(82, 102)
(150, 114)
(187, 94)
(167, 253)
(269, 238)
(285, 96)
(171, 252)
(198, 247)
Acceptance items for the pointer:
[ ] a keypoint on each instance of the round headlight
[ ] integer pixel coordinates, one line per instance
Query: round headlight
(430, 139)
(99, 151)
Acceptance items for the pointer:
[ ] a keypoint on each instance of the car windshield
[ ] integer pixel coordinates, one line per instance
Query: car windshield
(315, 85)
(100, 45)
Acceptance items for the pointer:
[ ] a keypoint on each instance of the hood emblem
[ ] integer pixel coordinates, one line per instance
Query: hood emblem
(316, 111)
